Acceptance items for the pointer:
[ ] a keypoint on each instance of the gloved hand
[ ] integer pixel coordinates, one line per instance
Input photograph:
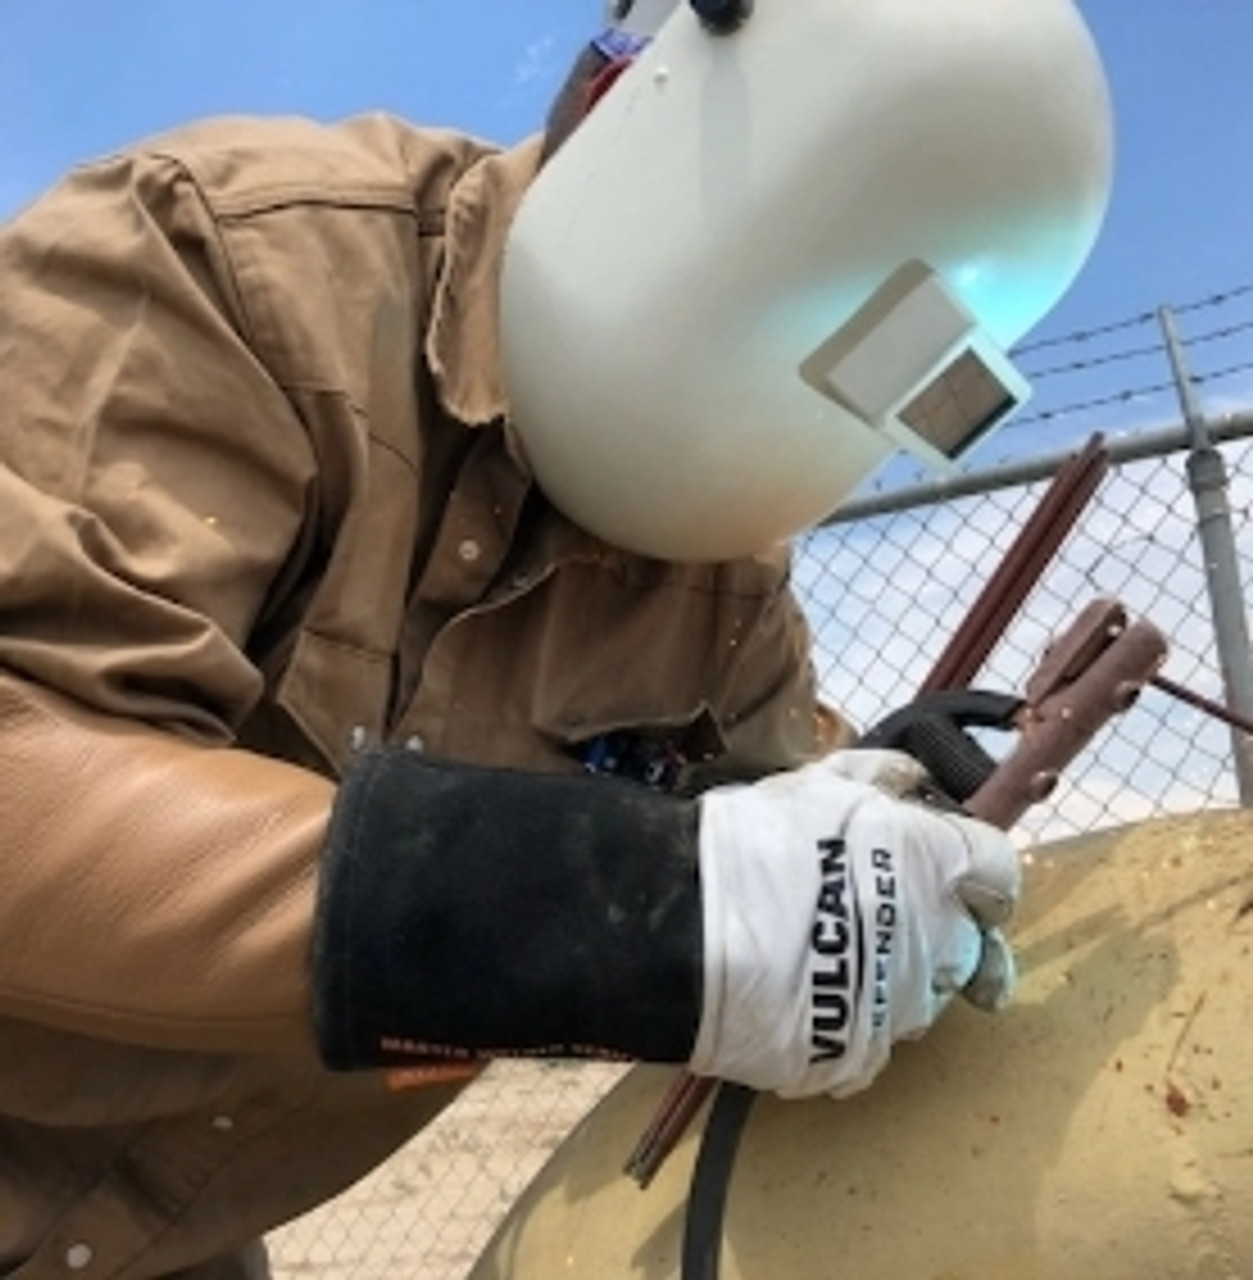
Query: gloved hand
(783, 934)
(840, 918)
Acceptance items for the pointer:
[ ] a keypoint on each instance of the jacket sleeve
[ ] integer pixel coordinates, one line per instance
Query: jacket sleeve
(155, 883)
(154, 479)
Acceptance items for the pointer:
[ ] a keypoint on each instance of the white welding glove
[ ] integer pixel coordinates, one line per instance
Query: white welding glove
(840, 918)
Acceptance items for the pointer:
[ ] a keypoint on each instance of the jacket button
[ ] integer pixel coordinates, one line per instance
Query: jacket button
(223, 1124)
(469, 550)
(416, 743)
(78, 1256)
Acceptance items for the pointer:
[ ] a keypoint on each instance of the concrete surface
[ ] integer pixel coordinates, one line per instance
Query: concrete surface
(427, 1212)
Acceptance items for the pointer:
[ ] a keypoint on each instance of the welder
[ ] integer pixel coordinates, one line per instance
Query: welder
(393, 546)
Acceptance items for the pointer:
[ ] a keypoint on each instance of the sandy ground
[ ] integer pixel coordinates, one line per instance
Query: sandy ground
(426, 1213)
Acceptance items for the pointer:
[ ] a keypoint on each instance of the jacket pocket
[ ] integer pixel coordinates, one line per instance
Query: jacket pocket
(337, 694)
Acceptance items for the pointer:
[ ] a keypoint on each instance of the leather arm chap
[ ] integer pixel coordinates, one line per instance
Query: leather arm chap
(465, 910)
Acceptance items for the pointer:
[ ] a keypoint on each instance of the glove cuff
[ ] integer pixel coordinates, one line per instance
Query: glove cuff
(466, 911)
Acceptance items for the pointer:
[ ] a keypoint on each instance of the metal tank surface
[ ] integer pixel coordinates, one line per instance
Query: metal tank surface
(1101, 1127)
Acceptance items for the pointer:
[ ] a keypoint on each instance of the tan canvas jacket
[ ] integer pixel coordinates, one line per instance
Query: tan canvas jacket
(259, 506)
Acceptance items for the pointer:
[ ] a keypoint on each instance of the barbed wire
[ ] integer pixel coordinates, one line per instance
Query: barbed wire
(1129, 394)
(1126, 396)
(1136, 353)
(1084, 335)
(1063, 371)
(1216, 375)
(1113, 357)
(1078, 336)
(1215, 299)
(1215, 335)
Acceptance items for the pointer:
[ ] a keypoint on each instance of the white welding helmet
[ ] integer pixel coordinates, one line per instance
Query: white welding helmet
(783, 247)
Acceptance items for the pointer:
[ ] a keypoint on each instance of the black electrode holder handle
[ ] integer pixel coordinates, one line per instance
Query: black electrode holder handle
(934, 730)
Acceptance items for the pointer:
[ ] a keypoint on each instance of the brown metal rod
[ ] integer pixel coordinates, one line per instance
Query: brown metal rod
(678, 1109)
(1020, 570)
(1216, 709)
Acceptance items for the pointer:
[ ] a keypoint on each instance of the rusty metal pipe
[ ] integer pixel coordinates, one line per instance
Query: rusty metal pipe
(1020, 570)
(1216, 709)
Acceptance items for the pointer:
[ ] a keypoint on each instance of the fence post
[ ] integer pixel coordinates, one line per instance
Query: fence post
(1207, 475)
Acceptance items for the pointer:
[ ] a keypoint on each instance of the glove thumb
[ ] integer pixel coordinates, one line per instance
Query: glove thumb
(991, 884)
(992, 986)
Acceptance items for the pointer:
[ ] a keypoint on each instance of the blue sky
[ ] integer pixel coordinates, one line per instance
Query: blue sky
(78, 77)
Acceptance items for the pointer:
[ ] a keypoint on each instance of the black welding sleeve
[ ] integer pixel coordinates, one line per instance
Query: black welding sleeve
(492, 911)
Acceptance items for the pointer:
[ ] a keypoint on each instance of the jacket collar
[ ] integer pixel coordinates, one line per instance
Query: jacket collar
(463, 341)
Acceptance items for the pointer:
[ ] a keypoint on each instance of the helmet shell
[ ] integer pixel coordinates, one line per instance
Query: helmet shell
(734, 202)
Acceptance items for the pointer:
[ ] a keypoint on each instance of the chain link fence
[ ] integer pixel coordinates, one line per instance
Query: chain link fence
(885, 593)
(885, 587)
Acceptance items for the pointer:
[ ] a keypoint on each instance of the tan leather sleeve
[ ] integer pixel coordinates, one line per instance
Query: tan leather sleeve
(152, 890)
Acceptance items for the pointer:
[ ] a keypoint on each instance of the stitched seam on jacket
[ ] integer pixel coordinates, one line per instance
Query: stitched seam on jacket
(374, 656)
(272, 197)
(380, 199)
(229, 277)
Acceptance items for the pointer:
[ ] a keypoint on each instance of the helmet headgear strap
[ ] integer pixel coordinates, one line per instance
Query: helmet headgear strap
(644, 17)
